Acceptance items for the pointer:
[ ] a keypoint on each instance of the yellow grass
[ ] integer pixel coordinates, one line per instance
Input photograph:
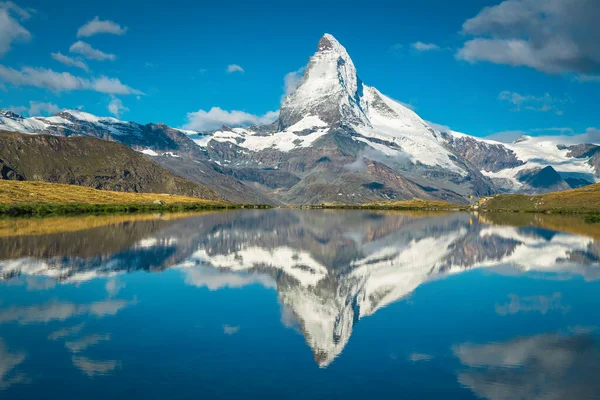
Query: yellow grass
(29, 192)
(582, 200)
(52, 225)
(415, 204)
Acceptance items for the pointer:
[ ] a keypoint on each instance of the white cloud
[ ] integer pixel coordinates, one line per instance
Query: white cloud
(552, 36)
(10, 30)
(93, 367)
(55, 311)
(40, 108)
(70, 61)
(96, 26)
(65, 332)
(89, 52)
(35, 109)
(543, 103)
(593, 135)
(214, 279)
(116, 107)
(420, 46)
(62, 81)
(8, 363)
(21, 12)
(506, 136)
(78, 345)
(540, 304)
(291, 81)
(215, 118)
(231, 68)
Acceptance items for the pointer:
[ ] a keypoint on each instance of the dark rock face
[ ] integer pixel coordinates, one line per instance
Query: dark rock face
(543, 180)
(583, 150)
(212, 175)
(586, 150)
(483, 156)
(89, 162)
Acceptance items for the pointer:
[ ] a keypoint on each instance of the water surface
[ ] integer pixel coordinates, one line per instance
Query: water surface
(295, 304)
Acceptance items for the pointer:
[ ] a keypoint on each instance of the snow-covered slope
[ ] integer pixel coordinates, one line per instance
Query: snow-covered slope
(152, 139)
(504, 163)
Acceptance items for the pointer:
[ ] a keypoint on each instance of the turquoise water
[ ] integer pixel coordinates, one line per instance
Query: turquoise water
(291, 304)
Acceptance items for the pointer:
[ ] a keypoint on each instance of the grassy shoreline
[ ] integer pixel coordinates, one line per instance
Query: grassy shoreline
(31, 198)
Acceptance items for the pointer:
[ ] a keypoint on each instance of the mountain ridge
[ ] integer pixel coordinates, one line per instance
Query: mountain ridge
(338, 140)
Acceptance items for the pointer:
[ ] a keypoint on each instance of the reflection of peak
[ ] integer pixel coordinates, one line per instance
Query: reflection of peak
(330, 268)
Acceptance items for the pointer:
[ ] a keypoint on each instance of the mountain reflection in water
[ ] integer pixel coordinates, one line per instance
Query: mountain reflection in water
(330, 269)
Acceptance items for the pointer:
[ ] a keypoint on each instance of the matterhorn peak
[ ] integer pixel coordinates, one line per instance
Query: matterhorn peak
(329, 43)
(329, 89)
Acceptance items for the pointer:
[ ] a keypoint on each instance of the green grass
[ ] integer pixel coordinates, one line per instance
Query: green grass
(592, 219)
(585, 200)
(414, 204)
(28, 198)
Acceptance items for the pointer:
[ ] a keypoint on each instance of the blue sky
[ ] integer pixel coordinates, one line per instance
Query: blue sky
(480, 67)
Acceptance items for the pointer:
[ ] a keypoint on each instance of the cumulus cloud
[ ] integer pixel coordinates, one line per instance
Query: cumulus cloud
(36, 108)
(10, 29)
(547, 366)
(361, 163)
(593, 135)
(65, 332)
(541, 304)
(214, 279)
(21, 12)
(543, 103)
(552, 36)
(94, 367)
(97, 26)
(420, 46)
(292, 81)
(231, 68)
(78, 345)
(8, 363)
(70, 61)
(116, 107)
(56, 311)
(62, 81)
(89, 52)
(216, 117)
(41, 108)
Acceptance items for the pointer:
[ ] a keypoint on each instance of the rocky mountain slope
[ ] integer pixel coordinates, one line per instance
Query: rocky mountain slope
(339, 140)
(89, 162)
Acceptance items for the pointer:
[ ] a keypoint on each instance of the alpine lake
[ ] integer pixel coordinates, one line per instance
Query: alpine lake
(300, 304)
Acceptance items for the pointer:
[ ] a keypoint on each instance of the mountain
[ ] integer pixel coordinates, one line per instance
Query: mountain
(338, 140)
(89, 162)
(347, 142)
(151, 139)
(164, 144)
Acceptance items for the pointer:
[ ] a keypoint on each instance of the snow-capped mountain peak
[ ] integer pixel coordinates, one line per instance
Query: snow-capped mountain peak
(329, 89)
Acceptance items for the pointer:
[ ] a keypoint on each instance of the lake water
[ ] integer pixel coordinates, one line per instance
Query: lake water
(296, 304)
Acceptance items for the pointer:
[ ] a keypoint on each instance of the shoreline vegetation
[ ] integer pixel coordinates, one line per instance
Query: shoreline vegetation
(32, 198)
